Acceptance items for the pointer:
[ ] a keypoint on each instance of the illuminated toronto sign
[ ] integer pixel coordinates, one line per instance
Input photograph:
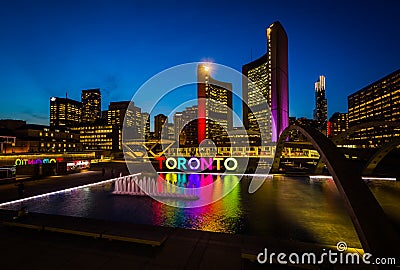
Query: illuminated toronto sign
(196, 164)
(26, 161)
(78, 164)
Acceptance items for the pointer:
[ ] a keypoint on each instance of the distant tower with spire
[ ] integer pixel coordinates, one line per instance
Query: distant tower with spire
(321, 106)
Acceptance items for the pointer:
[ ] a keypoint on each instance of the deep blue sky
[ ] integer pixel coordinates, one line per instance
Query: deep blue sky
(50, 47)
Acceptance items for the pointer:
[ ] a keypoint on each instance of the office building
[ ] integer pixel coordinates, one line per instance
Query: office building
(159, 130)
(64, 112)
(91, 105)
(145, 125)
(11, 124)
(31, 138)
(189, 134)
(186, 127)
(379, 101)
(337, 124)
(321, 109)
(178, 125)
(124, 114)
(121, 114)
(7, 140)
(181, 120)
(116, 114)
(170, 131)
(134, 118)
(296, 136)
(99, 137)
(265, 92)
(104, 116)
(214, 107)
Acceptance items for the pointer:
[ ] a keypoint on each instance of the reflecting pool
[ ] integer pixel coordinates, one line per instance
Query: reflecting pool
(284, 207)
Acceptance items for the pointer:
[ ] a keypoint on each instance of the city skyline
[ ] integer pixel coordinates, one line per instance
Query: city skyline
(118, 53)
(195, 134)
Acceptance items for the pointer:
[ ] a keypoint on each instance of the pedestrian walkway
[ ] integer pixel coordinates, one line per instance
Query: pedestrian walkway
(71, 242)
(9, 192)
(148, 235)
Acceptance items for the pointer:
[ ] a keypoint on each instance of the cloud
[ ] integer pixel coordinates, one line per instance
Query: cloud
(35, 118)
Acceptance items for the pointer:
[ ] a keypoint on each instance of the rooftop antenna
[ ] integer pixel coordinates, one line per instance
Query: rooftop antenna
(251, 54)
(66, 94)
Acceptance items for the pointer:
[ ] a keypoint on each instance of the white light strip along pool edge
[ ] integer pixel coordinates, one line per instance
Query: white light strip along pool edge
(215, 173)
(365, 178)
(65, 190)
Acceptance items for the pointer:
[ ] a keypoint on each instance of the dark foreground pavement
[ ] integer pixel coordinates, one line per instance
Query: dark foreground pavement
(27, 248)
(23, 248)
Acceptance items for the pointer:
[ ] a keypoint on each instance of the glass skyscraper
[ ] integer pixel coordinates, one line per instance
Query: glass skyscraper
(64, 112)
(91, 105)
(379, 101)
(321, 106)
(214, 107)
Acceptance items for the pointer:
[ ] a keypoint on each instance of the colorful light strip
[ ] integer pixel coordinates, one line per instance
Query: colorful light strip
(64, 190)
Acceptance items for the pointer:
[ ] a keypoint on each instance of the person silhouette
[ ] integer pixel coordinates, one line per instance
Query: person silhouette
(21, 189)
(23, 212)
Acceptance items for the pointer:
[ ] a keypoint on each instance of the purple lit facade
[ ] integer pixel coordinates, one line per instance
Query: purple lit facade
(278, 52)
(269, 113)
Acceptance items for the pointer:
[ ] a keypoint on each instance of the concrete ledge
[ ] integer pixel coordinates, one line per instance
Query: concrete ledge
(22, 225)
(131, 239)
(70, 231)
(134, 233)
(249, 255)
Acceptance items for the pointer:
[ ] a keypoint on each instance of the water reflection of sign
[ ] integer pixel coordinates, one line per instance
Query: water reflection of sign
(78, 165)
(194, 180)
(26, 161)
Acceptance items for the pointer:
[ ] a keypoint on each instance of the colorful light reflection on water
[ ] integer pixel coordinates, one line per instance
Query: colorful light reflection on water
(289, 208)
(224, 215)
(207, 187)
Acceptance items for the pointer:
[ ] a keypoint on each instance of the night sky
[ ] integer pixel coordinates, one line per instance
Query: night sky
(48, 48)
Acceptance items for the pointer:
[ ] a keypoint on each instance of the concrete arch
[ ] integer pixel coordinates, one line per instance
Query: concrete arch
(379, 155)
(377, 235)
(319, 167)
(341, 138)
